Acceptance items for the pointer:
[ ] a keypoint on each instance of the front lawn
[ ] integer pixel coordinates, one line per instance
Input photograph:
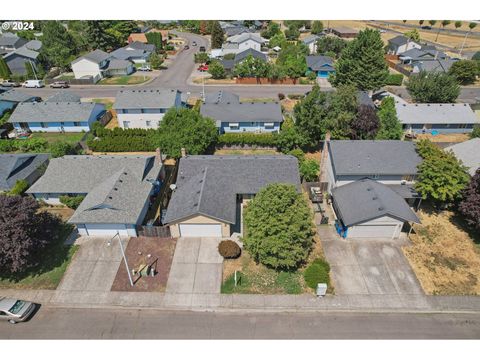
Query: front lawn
(71, 138)
(444, 255)
(124, 80)
(49, 273)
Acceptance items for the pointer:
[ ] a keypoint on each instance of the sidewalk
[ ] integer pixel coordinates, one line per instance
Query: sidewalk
(236, 302)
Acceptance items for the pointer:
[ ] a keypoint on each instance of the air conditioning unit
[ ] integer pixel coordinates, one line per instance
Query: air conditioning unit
(403, 182)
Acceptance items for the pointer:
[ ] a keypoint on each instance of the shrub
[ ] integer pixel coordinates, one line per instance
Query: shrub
(309, 170)
(242, 139)
(296, 96)
(281, 96)
(312, 76)
(298, 153)
(62, 148)
(27, 145)
(19, 188)
(201, 57)
(73, 202)
(394, 79)
(317, 272)
(229, 249)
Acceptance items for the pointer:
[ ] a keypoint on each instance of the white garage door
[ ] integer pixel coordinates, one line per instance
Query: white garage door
(201, 230)
(372, 231)
(106, 229)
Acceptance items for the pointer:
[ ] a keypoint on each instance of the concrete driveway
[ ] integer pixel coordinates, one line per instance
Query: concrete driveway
(368, 266)
(196, 267)
(94, 266)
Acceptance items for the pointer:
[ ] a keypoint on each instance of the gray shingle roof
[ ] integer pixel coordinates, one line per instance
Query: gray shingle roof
(399, 40)
(469, 153)
(34, 45)
(64, 96)
(52, 111)
(236, 30)
(146, 99)
(422, 54)
(434, 65)
(238, 39)
(310, 39)
(365, 200)
(222, 96)
(12, 40)
(364, 99)
(137, 45)
(96, 56)
(116, 186)
(15, 95)
(23, 51)
(318, 62)
(436, 114)
(245, 53)
(124, 54)
(243, 112)
(370, 157)
(15, 167)
(116, 64)
(208, 185)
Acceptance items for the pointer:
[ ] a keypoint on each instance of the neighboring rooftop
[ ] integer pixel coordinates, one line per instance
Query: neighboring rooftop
(117, 187)
(371, 157)
(146, 99)
(438, 65)
(436, 114)
(11, 40)
(237, 39)
(52, 111)
(96, 56)
(117, 64)
(64, 96)
(319, 62)
(14, 95)
(208, 184)
(15, 167)
(399, 40)
(469, 153)
(222, 96)
(364, 200)
(310, 39)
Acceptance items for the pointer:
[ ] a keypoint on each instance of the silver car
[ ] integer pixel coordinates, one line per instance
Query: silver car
(14, 310)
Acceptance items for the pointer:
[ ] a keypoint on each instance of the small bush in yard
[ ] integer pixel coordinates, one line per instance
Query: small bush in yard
(317, 272)
(281, 96)
(73, 202)
(19, 188)
(229, 249)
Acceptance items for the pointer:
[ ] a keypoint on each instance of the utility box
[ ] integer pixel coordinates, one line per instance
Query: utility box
(321, 289)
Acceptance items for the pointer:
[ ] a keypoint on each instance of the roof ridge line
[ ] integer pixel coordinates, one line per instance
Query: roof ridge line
(201, 188)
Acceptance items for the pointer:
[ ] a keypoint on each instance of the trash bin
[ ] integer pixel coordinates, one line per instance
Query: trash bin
(321, 289)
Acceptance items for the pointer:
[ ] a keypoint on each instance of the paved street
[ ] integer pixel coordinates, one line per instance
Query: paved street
(62, 323)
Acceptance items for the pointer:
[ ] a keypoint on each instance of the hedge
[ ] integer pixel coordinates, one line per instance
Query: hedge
(27, 145)
(394, 79)
(122, 140)
(242, 139)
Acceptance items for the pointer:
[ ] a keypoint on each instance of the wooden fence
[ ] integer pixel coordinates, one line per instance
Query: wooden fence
(262, 80)
(154, 231)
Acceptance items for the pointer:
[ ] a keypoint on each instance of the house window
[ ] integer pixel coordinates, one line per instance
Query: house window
(162, 111)
(126, 124)
(148, 123)
(375, 176)
(62, 123)
(77, 123)
(462, 126)
(44, 125)
(269, 125)
(234, 126)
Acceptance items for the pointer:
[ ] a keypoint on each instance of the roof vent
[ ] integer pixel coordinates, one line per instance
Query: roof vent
(110, 197)
(116, 189)
(381, 208)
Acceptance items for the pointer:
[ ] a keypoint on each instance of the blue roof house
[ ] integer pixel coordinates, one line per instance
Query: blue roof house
(56, 116)
(321, 65)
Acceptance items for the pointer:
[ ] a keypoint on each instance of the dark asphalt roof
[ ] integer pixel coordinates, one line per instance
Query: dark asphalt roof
(364, 200)
(64, 96)
(370, 157)
(97, 56)
(15, 95)
(319, 62)
(208, 184)
(243, 112)
(222, 96)
(15, 167)
(48, 111)
(146, 98)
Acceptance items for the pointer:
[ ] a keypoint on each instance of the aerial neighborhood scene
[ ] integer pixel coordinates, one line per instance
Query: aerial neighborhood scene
(273, 166)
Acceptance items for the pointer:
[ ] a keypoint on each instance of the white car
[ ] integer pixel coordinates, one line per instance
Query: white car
(145, 68)
(14, 310)
(33, 84)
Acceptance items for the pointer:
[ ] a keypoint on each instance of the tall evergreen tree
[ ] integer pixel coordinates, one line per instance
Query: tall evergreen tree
(217, 35)
(433, 87)
(4, 69)
(362, 62)
(97, 36)
(390, 127)
(58, 46)
(155, 38)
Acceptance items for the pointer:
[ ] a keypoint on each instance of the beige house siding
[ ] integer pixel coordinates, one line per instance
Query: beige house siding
(199, 219)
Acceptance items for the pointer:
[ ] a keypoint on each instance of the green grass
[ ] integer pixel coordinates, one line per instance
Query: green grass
(71, 138)
(124, 80)
(108, 103)
(49, 273)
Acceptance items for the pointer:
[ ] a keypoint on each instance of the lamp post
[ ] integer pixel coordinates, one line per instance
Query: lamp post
(123, 254)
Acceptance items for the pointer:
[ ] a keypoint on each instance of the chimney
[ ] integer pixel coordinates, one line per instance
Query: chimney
(158, 156)
(184, 152)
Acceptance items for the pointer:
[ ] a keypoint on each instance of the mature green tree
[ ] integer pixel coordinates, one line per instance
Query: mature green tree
(309, 169)
(292, 59)
(413, 35)
(98, 37)
(19, 188)
(155, 38)
(390, 127)
(123, 28)
(310, 116)
(58, 46)
(217, 35)
(191, 25)
(155, 61)
(290, 137)
(443, 24)
(4, 69)
(186, 128)
(362, 62)
(365, 124)
(292, 33)
(62, 148)
(272, 29)
(29, 70)
(433, 87)
(278, 227)
(465, 71)
(252, 67)
(469, 206)
(277, 40)
(216, 69)
(317, 27)
(458, 24)
(341, 112)
(331, 44)
(442, 178)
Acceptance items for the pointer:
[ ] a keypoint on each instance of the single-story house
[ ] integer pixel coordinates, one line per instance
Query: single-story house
(241, 42)
(10, 42)
(91, 65)
(14, 167)
(118, 67)
(369, 209)
(469, 153)
(344, 31)
(439, 65)
(423, 54)
(137, 52)
(17, 60)
(239, 57)
(400, 44)
(311, 42)
(436, 118)
(10, 98)
(321, 65)
(56, 116)
(145, 108)
(236, 30)
(211, 191)
(117, 190)
(64, 96)
(244, 116)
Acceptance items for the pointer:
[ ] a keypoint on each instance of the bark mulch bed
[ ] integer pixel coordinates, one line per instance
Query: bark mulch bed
(161, 251)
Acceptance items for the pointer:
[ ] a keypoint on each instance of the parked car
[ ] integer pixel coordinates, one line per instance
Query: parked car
(202, 49)
(186, 47)
(14, 310)
(33, 84)
(426, 27)
(383, 31)
(60, 85)
(8, 83)
(203, 67)
(194, 43)
(144, 68)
